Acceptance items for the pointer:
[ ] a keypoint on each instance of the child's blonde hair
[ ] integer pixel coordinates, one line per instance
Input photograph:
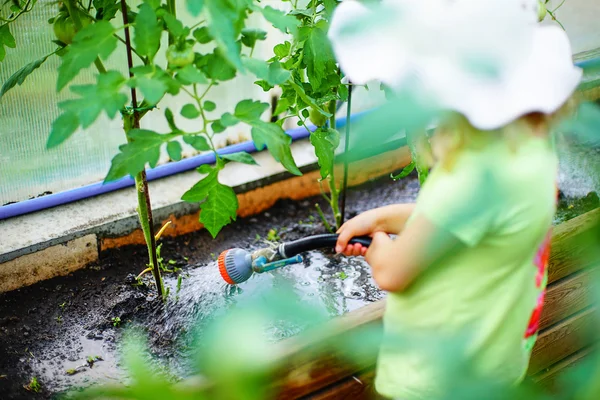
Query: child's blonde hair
(455, 133)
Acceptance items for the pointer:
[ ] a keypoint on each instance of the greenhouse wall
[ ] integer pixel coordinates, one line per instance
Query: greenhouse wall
(28, 170)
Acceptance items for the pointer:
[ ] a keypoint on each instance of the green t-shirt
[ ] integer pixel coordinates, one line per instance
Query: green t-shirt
(499, 202)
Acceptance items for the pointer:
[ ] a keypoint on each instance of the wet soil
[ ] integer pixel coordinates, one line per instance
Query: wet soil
(49, 330)
(66, 331)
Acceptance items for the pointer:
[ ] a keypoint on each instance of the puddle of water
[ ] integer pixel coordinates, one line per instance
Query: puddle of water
(68, 367)
(330, 286)
(579, 172)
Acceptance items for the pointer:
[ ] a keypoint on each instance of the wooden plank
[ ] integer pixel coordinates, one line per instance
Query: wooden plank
(562, 340)
(569, 247)
(310, 362)
(358, 387)
(549, 379)
(566, 297)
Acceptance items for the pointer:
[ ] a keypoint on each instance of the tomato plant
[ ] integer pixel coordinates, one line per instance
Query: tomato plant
(303, 67)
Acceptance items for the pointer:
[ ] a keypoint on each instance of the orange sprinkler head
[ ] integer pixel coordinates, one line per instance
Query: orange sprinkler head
(235, 266)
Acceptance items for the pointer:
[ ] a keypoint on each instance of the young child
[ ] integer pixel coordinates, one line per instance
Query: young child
(470, 256)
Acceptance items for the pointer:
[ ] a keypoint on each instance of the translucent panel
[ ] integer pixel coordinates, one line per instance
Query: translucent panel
(26, 113)
(580, 19)
(27, 169)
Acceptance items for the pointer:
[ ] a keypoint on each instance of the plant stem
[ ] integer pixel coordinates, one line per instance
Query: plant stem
(132, 121)
(346, 146)
(172, 10)
(204, 119)
(335, 206)
(99, 66)
(327, 226)
(416, 139)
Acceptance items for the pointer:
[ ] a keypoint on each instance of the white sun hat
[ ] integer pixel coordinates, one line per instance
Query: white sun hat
(487, 59)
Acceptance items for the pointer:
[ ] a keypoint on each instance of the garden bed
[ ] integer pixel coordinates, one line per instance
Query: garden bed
(50, 329)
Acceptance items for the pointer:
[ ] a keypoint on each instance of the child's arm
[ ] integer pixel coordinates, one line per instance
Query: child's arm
(388, 219)
(397, 262)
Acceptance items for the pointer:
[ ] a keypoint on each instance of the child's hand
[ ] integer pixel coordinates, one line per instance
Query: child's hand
(362, 225)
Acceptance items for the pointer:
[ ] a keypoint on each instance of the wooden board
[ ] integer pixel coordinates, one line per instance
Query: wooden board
(566, 297)
(356, 387)
(548, 379)
(570, 247)
(310, 362)
(562, 340)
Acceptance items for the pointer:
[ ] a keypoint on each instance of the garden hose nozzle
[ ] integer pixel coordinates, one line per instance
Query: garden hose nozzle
(235, 266)
(238, 265)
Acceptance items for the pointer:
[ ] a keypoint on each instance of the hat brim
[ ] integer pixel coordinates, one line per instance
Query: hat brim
(538, 77)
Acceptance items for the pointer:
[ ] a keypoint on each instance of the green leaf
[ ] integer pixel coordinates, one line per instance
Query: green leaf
(105, 95)
(197, 142)
(173, 85)
(285, 23)
(219, 202)
(147, 32)
(153, 89)
(251, 36)
(264, 133)
(282, 50)
(405, 171)
(202, 35)
(318, 55)
(404, 113)
(190, 74)
(174, 26)
(6, 39)
(154, 4)
(225, 18)
(142, 70)
(277, 141)
(229, 120)
(329, 5)
(190, 111)
(195, 6)
(272, 73)
(307, 99)
(258, 67)
(95, 40)
(277, 75)
(282, 105)
(217, 127)
(19, 77)
(106, 9)
(241, 157)
(266, 86)
(325, 141)
(216, 67)
(204, 169)
(174, 150)
(144, 148)
(171, 120)
(62, 128)
(209, 106)
(247, 110)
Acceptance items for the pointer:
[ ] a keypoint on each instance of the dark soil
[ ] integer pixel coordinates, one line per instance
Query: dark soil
(50, 329)
(54, 326)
